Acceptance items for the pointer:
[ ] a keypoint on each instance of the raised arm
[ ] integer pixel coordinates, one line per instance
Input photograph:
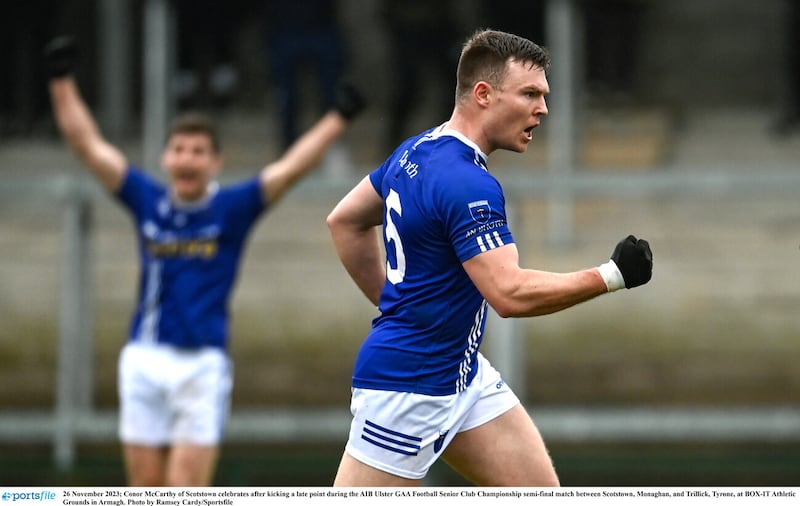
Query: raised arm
(514, 292)
(353, 225)
(305, 154)
(75, 121)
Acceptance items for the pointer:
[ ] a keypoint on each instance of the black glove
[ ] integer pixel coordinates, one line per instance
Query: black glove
(59, 57)
(634, 260)
(349, 101)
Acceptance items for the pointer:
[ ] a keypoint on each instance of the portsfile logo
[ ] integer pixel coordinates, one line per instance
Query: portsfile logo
(44, 495)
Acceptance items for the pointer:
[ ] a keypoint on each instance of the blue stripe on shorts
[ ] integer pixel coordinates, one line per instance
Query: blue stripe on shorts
(390, 436)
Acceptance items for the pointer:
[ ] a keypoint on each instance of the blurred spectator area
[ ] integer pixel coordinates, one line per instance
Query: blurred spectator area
(645, 66)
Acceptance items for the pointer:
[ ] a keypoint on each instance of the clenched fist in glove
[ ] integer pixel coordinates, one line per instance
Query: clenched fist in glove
(349, 101)
(631, 264)
(59, 57)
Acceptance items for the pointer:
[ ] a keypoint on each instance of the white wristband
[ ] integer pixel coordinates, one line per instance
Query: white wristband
(612, 276)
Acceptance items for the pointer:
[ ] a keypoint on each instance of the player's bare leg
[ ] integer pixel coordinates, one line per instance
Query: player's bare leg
(507, 451)
(145, 466)
(354, 473)
(191, 465)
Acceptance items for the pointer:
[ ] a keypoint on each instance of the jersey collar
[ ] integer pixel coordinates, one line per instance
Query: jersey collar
(442, 130)
(185, 205)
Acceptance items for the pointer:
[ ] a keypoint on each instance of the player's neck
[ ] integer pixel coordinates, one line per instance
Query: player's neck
(197, 201)
(469, 128)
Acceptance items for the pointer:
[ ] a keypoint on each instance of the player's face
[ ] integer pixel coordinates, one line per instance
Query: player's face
(518, 107)
(190, 162)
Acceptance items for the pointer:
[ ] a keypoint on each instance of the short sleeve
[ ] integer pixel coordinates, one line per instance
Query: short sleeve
(475, 215)
(244, 203)
(138, 190)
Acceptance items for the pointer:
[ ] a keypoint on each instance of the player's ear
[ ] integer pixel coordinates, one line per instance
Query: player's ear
(481, 93)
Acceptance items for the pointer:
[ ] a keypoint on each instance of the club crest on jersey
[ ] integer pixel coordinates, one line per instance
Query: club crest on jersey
(480, 211)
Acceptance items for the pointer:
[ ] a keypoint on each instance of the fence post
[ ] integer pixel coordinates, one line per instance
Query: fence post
(115, 36)
(564, 34)
(159, 49)
(74, 375)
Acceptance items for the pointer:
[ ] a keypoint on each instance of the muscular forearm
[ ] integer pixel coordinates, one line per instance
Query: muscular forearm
(302, 156)
(516, 292)
(73, 118)
(353, 224)
(76, 124)
(309, 149)
(539, 293)
(360, 253)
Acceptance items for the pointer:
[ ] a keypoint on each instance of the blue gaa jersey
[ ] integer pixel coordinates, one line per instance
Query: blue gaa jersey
(189, 258)
(441, 208)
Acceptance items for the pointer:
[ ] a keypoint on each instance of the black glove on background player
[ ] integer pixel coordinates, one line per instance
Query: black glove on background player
(634, 260)
(349, 101)
(59, 57)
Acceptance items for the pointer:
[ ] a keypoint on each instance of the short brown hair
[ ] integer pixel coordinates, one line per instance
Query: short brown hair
(485, 54)
(195, 123)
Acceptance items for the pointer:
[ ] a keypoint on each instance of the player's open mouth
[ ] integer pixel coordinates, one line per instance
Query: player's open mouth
(529, 132)
(186, 177)
(187, 183)
(188, 186)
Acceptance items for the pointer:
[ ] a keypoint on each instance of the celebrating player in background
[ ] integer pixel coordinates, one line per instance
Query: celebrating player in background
(420, 386)
(174, 373)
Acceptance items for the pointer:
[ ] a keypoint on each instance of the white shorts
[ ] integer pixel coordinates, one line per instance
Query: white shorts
(169, 395)
(404, 433)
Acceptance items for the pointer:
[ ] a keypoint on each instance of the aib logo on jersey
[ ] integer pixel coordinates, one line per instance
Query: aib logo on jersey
(480, 211)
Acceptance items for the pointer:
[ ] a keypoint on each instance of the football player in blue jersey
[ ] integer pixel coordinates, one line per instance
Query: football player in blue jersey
(420, 388)
(174, 372)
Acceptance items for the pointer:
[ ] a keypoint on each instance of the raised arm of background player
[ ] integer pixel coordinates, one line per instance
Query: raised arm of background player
(109, 164)
(510, 289)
